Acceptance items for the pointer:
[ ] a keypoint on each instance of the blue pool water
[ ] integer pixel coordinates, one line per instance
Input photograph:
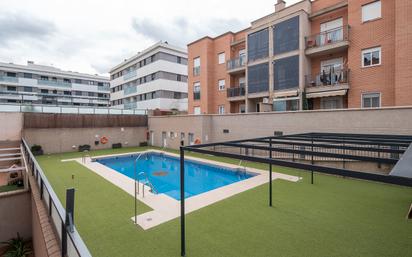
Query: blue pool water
(163, 172)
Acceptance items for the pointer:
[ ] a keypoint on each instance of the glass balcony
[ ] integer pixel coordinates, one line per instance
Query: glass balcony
(103, 88)
(9, 79)
(237, 63)
(334, 77)
(130, 105)
(130, 75)
(236, 91)
(54, 83)
(130, 90)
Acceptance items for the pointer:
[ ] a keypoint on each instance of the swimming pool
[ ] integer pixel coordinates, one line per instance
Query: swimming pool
(163, 172)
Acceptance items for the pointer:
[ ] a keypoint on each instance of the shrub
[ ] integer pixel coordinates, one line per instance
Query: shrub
(83, 148)
(118, 145)
(16, 247)
(143, 144)
(37, 150)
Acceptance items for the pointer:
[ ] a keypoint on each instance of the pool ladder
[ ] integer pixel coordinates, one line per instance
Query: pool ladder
(148, 183)
(242, 167)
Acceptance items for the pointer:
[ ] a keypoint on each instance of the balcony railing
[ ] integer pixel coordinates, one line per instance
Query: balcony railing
(196, 71)
(236, 91)
(130, 105)
(9, 79)
(331, 78)
(196, 95)
(130, 90)
(236, 63)
(129, 75)
(328, 37)
(103, 88)
(54, 83)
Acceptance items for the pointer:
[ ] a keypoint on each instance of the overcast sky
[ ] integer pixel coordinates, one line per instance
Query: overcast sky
(92, 36)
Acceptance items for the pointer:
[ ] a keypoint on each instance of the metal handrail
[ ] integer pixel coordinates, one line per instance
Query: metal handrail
(36, 170)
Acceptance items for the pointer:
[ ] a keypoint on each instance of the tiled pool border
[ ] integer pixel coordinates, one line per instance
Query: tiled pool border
(166, 208)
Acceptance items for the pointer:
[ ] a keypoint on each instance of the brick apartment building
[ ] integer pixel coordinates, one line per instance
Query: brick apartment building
(322, 54)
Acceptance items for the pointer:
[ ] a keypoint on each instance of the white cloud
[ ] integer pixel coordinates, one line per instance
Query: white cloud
(92, 35)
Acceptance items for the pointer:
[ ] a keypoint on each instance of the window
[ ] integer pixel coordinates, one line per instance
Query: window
(258, 78)
(258, 45)
(196, 110)
(28, 89)
(242, 108)
(221, 84)
(371, 100)
(371, 57)
(196, 66)
(44, 78)
(191, 138)
(282, 105)
(11, 74)
(221, 58)
(67, 93)
(44, 91)
(286, 36)
(221, 109)
(179, 59)
(11, 88)
(286, 72)
(196, 90)
(371, 11)
(28, 75)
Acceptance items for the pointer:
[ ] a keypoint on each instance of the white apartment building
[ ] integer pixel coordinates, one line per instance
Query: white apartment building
(34, 84)
(155, 78)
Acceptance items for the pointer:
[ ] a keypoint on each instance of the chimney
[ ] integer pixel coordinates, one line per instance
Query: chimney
(279, 5)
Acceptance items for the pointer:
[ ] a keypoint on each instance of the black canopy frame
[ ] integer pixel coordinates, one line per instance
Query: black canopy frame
(302, 151)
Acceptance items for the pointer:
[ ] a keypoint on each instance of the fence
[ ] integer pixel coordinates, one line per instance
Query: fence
(71, 243)
(68, 109)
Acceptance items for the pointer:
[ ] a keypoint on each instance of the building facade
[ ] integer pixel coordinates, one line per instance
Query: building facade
(155, 78)
(34, 84)
(322, 54)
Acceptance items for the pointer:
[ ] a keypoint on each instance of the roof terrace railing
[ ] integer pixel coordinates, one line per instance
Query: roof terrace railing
(5, 107)
(71, 243)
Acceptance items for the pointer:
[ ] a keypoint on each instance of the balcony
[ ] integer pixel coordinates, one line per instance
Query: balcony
(9, 79)
(328, 42)
(54, 83)
(196, 95)
(196, 71)
(327, 83)
(236, 93)
(129, 75)
(103, 88)
(130, 105)
(236, 65)
(130, 90)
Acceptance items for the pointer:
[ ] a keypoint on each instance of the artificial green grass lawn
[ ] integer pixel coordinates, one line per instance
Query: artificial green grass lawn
(8, 188)
(333, 217)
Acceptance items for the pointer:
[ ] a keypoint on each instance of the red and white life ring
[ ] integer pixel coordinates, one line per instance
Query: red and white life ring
(104, 140)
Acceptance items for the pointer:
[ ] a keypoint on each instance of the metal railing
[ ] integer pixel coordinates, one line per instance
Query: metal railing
(236, 63)
(328, 37)
(235, 91)
(68, 109)
(331, 78)
(54, 83)
(70, 241)
(196, 95)
(9, 79)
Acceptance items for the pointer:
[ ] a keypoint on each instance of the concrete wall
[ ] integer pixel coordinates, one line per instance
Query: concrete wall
(209, 128)
(15, 215)
(11, 126)
(63, 139)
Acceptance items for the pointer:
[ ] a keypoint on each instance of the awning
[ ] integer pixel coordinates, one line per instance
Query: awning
(327, 93)
(286, 93)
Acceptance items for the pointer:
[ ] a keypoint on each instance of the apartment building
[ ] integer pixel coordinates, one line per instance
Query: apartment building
(155, 78)
(34, 84)
(321, 54)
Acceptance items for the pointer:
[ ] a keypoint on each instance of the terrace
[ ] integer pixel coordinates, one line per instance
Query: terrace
(330, 216)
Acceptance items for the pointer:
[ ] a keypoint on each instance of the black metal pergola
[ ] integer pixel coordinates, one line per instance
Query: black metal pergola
(360, 156)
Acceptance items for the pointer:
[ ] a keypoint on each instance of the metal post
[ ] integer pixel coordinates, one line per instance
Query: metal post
(41, 188)
(311, 173)
(68, 222)
(135, 193)
(182, 202)
(270, 173)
